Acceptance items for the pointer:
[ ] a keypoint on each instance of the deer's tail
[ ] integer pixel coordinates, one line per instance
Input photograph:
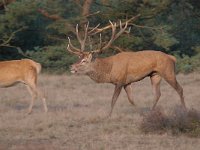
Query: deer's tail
(38, 67)
(172, 57)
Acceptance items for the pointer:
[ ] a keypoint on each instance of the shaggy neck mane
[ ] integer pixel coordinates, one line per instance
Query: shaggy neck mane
(101, 69)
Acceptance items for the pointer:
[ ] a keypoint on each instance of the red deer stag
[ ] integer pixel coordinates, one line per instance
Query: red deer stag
(125, 68)
(22, 71)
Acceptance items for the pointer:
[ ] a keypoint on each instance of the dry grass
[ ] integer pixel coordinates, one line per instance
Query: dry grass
(78, 108)
(179, 121)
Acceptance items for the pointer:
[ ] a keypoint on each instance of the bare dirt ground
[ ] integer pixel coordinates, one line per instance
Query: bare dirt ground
(78, 108)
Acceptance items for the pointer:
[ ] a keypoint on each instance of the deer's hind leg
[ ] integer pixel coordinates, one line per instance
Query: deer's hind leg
(170, 77)
(31, 82)
(155, 81)
(33, 94)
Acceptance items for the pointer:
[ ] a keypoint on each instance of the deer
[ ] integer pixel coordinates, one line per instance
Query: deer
(22, 71)
(124, 68)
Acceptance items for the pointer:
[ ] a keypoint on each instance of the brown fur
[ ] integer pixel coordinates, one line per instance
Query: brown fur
(124, 68)
(21, 71)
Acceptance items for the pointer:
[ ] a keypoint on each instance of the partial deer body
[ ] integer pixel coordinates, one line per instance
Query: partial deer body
(22, 71)
(125, 68)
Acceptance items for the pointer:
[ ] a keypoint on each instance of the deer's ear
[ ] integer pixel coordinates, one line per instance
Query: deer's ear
(90, 56)
(93, 56)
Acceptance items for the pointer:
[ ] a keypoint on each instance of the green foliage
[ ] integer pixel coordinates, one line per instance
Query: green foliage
(188, 64)
(54, 59)
(127, 41)
(23, 14)
(165, 40)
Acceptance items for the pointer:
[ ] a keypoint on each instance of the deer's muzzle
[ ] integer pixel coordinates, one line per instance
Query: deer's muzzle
(73, 69)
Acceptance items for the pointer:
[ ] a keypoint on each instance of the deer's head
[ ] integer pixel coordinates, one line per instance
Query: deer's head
(83, 65)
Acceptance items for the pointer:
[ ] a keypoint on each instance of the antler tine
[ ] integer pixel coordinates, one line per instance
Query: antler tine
(122, 29)
(129, 30)
(100, 44)
(71, 51)
(85, 37)
(91, 32)
(77, 34)
(120, 24)
(90, 43)
(73, 47)
(69, 46)
(113, 26)
(82, 42)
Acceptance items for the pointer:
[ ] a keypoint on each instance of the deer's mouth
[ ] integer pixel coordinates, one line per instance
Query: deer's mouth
(73, 71)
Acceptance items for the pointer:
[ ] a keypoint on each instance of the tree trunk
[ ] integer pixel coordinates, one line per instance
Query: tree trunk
(86, 11)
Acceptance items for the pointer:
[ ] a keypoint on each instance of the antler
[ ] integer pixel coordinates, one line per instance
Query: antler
(96, 30)
(82, 41)
(72, 48)
(113, 37)
(99, 30)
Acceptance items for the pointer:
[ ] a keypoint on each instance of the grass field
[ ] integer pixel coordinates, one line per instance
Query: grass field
(77, 117)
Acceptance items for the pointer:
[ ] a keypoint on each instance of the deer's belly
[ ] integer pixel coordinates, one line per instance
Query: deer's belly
(130, 78)
(4, 84)
(137, 76)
